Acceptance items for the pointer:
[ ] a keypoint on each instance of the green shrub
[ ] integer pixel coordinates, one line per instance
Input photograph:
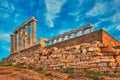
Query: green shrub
(8, 64)
(39, 69)
(30, 67)
(116, 47)
(48, 74)
(67, 70)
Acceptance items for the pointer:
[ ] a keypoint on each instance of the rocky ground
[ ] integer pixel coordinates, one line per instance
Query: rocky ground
(15, 73)
(87, 61)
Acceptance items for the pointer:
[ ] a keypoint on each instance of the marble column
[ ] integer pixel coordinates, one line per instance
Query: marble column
(91, 29)
(69, 36)
(52, 41)
(23, 37)
(18, 46)
(57, 40)
(63, 38)
(42, 42)
(34, 32)
(15, 42)
(12, 44)
(83, 32)
(28, 36)
(75, 34)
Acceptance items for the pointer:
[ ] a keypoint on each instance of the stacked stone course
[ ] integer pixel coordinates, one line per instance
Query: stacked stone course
(93, 56)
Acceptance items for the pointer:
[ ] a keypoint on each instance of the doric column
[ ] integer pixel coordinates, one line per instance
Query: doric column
(28, 36)
(57, 40)
(68, 36)
(91, 29)
(23, 37)
(18, 46)
(75, 34)
(63, 38)
(12, 44)
(42, 42)
(83, 32)
(33, 32)
(15, 42)
(52, 41)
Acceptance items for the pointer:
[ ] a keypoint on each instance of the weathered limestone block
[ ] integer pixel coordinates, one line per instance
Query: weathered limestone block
(104, 69)
(71, 57)
(93, 49)
(102, 65)
(102, 61)
(112, 64)
(93, 65)
(110, 51)
(96, 54)
(118, 69)
(54, 49)
(76, 47)
(102, 45)
(118, 59)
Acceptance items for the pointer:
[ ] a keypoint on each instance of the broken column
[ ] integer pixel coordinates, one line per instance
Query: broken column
(42, 42)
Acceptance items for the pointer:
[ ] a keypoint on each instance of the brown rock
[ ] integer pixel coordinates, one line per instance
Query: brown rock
(118, 59)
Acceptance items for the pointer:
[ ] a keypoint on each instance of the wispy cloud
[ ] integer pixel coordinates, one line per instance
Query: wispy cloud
(98, 9)
(53, 7)
(4, 36)
(6, 9)
(118, 28)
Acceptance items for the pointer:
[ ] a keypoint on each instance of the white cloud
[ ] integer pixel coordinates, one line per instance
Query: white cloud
(53, 7)
(4, 37)
(98, 9)
(63, 31)
(6, 9)
(118, 28)
(116, 18)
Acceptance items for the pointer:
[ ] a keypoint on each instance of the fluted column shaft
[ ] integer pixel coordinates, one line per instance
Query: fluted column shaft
(12, 44)
(91, 29)
(28, 36)
(57, 40)
(63, 38)
(75, 34)
(15, 42)
(69, 36)
(18, 46)
(83, 32)
(23, 37)
(34, 32)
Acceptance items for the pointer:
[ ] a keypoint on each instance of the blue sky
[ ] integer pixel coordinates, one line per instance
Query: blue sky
(57, 16)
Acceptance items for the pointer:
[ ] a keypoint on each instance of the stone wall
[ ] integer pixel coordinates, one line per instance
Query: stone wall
(108, 39)
(99, 35)
(92, 56)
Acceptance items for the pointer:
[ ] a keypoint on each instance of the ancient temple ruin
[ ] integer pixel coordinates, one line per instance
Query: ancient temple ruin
(25, 37)
(22, 37)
